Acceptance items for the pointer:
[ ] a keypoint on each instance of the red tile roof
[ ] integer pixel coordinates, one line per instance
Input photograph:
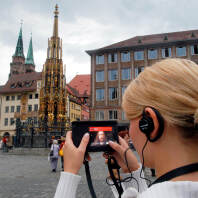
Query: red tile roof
(21, 83)
(151, 39)
(82, 84)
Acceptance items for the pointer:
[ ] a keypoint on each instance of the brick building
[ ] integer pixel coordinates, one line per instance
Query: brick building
(114, 66)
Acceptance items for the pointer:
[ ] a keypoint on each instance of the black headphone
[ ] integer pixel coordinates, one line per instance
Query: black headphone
(146, 125)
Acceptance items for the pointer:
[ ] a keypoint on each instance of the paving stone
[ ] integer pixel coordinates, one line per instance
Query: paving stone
(30, 176)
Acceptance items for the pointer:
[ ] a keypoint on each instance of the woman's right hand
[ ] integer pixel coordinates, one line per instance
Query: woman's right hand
(119, 151)
(73, 156)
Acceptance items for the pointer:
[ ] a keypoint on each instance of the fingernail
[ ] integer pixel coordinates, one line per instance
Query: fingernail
(111, 142)
(86, 135)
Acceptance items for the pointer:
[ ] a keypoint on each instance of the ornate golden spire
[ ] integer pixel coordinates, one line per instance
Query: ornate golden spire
(53, 96)
(55, 30)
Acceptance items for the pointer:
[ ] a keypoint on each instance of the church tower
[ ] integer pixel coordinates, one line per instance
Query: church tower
(18, 59)
(52, 94)
(29, 61)
(19, 64)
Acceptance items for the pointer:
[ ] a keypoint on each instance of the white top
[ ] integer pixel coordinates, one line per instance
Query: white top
(68, 184)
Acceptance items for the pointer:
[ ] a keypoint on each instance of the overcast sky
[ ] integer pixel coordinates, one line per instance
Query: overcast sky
(86, 25)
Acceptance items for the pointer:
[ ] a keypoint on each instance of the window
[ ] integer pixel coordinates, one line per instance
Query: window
(139, 55)
(36, 96)
(6, 109)
(99, 94)
(113, 115)
(35, 120)
(123, 89)
(7, 98)
(180, 51)
(19, 97)
(194, 49)
(123, 116)
(12, 109)
(112, 58)
(29, 120)
(13, 97)
(11, 121)
(113, 74)
(30, 96)
(18, 109)
(29, 108)
(152, 54)
(166, 52)
(6, 122)
(125, 56)
(99, 59)
(113, 93)
(99, 115)
(36, 107)
(99, 76)
(138, 70)
(126, 74)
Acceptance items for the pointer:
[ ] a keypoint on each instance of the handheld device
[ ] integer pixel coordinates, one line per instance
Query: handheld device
(101, 132)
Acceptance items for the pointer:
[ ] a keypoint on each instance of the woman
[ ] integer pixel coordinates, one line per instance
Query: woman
(54, 157)
(162, 106)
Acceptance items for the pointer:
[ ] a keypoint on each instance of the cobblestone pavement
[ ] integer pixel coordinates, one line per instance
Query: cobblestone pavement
(29, 176)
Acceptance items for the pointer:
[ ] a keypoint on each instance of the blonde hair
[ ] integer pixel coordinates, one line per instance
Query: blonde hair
(170, 86)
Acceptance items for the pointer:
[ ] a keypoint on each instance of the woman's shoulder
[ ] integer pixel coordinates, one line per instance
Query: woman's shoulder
(171, 189)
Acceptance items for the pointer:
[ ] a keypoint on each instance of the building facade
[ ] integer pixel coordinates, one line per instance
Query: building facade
(74, 105)
(81, 89)
(19, 97)
(114, 66)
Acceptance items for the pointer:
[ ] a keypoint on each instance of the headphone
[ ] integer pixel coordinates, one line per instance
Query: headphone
(146, 125)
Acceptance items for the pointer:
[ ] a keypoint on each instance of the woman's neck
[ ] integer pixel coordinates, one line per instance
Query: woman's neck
(176, 155)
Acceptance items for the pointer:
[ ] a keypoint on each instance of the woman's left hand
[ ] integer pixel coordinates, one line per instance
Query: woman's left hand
(74, 157)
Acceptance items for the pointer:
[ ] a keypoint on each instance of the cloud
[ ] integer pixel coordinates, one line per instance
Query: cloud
(87, 25)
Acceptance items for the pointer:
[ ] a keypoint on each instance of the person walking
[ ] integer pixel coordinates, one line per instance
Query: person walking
(61, 152)
(5, 148)
(54, 155)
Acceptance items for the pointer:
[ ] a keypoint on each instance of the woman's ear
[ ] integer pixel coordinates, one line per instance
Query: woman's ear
(151, 113)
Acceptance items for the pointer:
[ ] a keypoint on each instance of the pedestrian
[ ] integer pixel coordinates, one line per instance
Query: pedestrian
(1, 144)
(51, 141)
(162, 107)
(61, 152)
(5, 148)
(54, 155)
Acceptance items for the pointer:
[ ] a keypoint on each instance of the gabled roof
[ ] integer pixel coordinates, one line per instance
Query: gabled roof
(21, 83)
(82, 84)
(146, 40)
(72, 90)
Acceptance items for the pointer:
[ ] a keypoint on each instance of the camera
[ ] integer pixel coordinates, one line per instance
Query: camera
(101, 132)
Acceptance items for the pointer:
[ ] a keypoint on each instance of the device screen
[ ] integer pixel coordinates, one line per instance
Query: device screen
(100, 136)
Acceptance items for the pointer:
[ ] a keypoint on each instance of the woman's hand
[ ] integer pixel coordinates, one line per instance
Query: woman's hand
(74, 157)
(119, 150)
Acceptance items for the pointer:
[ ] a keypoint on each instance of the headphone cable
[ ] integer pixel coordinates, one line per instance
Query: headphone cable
(143, 163)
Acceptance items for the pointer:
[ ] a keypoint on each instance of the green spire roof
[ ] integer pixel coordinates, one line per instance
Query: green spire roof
(19, 47)
(30, 57)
